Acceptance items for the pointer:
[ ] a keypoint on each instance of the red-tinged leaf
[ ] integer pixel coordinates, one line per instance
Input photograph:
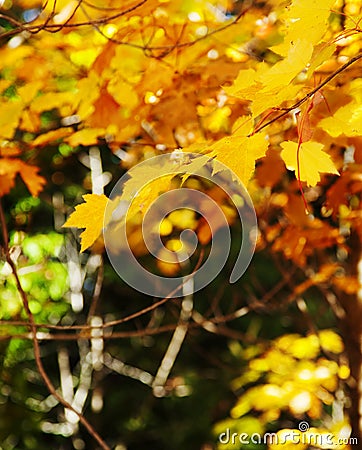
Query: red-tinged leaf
(9, 151)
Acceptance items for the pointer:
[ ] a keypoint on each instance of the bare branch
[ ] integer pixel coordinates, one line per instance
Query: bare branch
(48, 383)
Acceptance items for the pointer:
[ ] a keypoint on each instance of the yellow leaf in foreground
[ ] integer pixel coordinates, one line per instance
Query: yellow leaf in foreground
(312, 160)
(89, 215)
(271, 98)
(321, 54)
(148, 194)
(244, 83)
(239, 152)
(283, 72)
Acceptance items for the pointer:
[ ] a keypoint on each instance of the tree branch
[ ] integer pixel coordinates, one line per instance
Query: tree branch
(48, 383)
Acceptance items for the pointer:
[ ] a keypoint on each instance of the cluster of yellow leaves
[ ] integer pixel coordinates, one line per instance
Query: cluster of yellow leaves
(293, 369)
(121, 92)
(139, 194)
(100, 97)
(301, 17)
(115, 92)
(295, 378)
(268, 87)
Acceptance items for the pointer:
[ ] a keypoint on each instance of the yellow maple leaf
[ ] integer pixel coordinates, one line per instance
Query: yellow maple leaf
(321, 54)
(243, 83)
(304, 18)
(148, 194)
(89, 215)
(239, 152)
(283, 72)
(274, 97)
(312, 160)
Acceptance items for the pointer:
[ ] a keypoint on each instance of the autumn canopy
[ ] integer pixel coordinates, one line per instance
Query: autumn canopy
(249, 106)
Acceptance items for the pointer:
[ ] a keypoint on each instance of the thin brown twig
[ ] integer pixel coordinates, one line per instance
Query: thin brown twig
(68, 19)
(49, 27)
(87, 335)
(112, 322)
(100, 8)
(48, 383)
(170, 48)
(218, 329)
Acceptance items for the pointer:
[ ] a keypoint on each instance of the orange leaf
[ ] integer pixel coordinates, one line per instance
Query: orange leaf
(33, 181)
(9, 151)
(11, 167)
(51, 136)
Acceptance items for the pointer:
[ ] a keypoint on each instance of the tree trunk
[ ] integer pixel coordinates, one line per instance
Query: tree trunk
(352, 331)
